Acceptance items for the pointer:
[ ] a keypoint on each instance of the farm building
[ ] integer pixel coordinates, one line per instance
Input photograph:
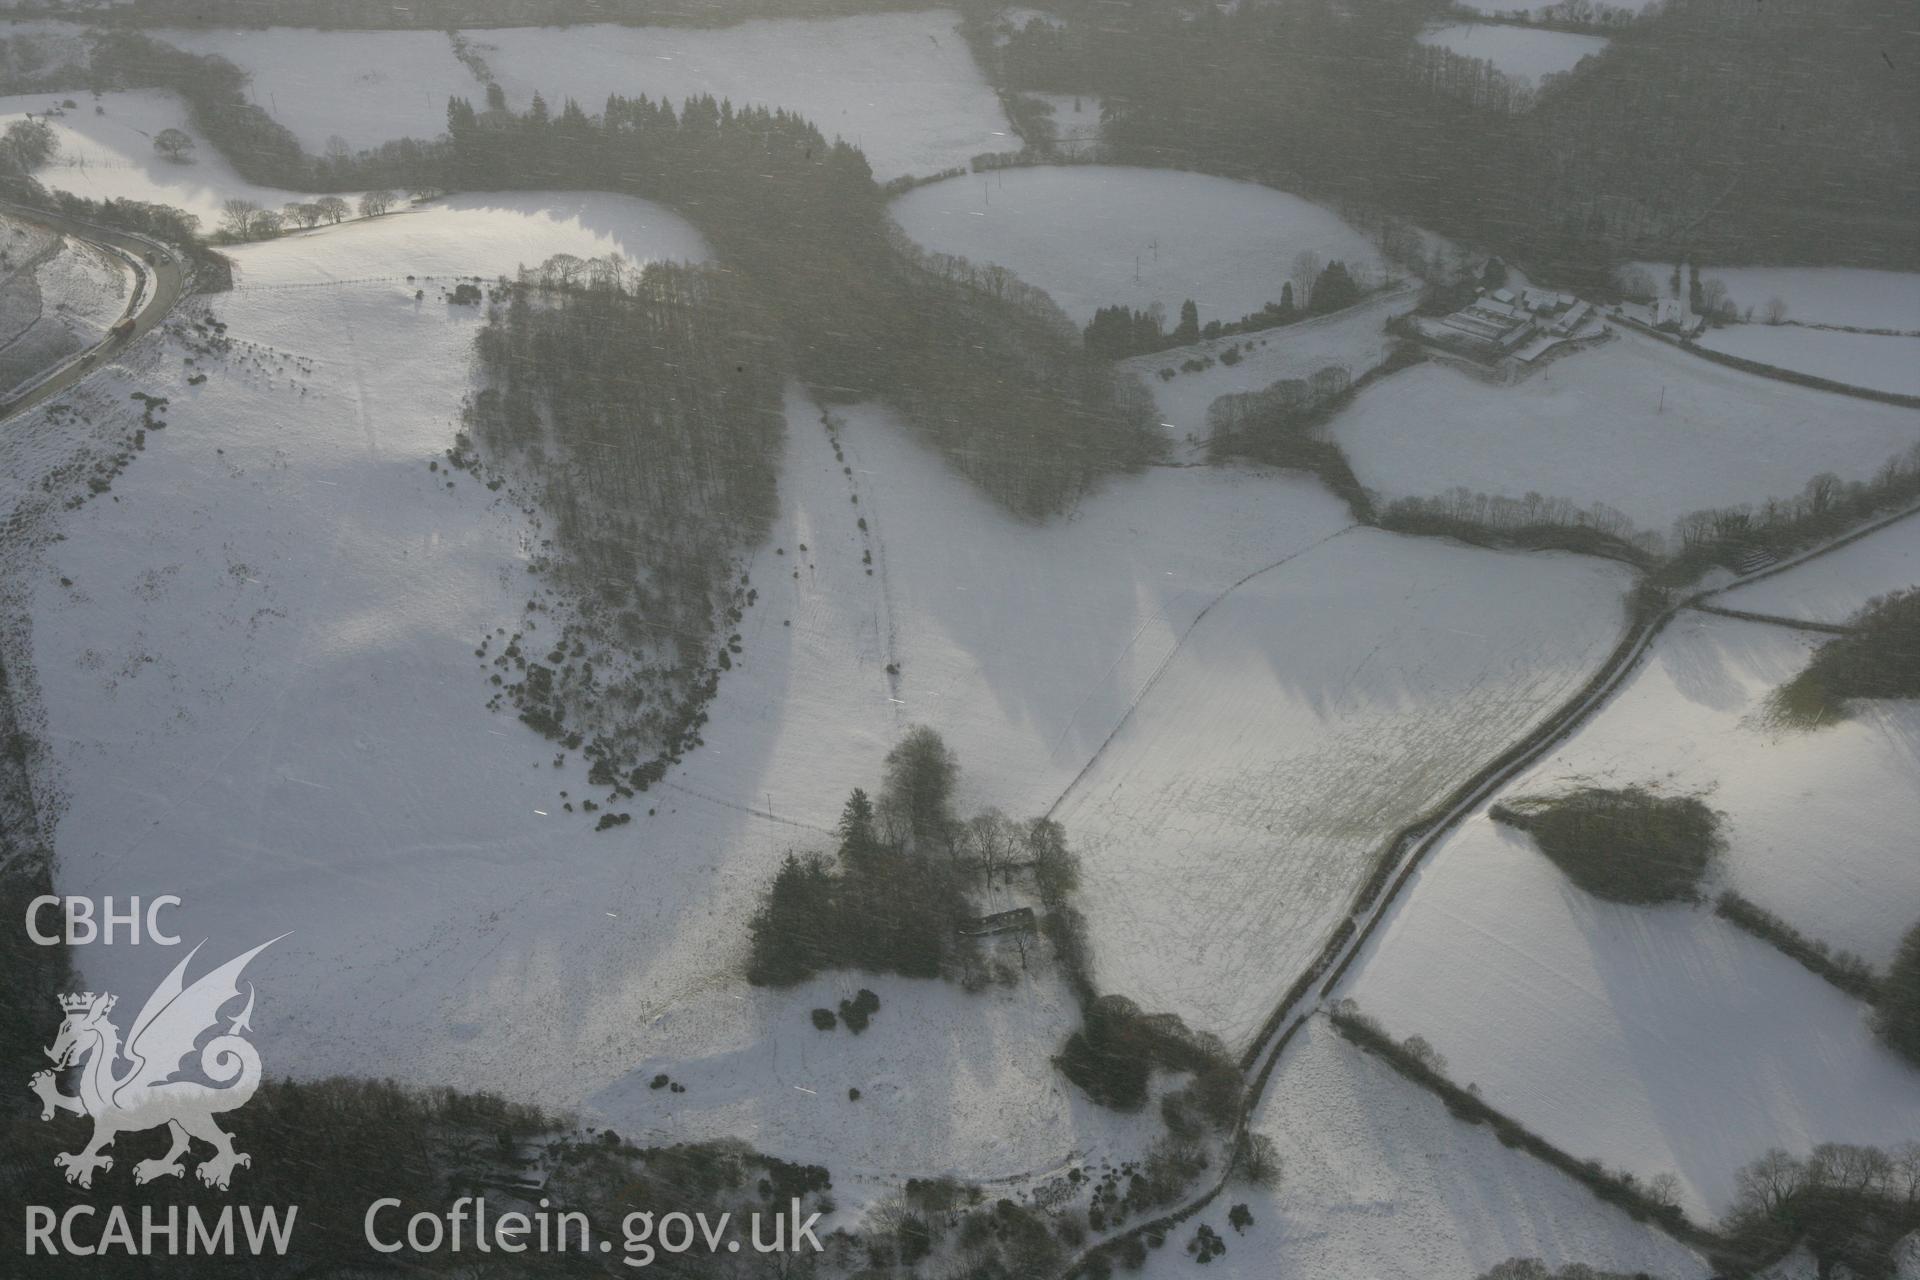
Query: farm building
(1497, 319)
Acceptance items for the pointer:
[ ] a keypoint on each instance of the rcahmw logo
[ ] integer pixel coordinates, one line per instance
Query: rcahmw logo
(144, 1082)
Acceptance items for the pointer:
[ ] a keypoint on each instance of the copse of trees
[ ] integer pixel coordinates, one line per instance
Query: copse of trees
(651, 509)
(1846, 1205)
(1880, 659)
(1896, 1013)
(1624, 844)
(1118, 1046)
(1120, 331)
(893, 895)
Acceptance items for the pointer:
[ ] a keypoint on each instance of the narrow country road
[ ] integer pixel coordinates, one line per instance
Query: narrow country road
(160, 283)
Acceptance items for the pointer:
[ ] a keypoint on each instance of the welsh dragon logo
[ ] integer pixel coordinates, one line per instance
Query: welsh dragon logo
(145, 1094)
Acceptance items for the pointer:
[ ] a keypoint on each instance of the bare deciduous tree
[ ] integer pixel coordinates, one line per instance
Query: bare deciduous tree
(1306, 269)
(237, 217)
(1770, 1183)
(992, 839)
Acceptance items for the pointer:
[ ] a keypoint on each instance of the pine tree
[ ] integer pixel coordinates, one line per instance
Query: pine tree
(1897, 1016)
(1189, 328)
(858, 840)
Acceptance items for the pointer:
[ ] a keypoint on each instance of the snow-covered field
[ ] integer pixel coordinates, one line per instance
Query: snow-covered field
(1853, 296)
(1876, 361)
(111, 156)
(363, 87)
(1314, 710)
(1664, 1039)
(1096, 235)
(1356, 339)
(475, 234)
(1516, 51)
(901, 86)
(1636, 424)
(951, 1084)
(256, 695)
(1380, 1182)
(490, 234)
(1834, 587)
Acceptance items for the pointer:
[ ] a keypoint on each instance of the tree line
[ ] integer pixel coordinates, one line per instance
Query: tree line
(1120, 331)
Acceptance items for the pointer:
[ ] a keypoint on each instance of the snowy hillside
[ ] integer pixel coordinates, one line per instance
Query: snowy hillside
(293, 623)
(562, 672)
(111, 155)
(1324, 703)
(486, 235)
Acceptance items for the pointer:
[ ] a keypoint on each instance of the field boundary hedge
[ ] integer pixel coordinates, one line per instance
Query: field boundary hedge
(1773, 371)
